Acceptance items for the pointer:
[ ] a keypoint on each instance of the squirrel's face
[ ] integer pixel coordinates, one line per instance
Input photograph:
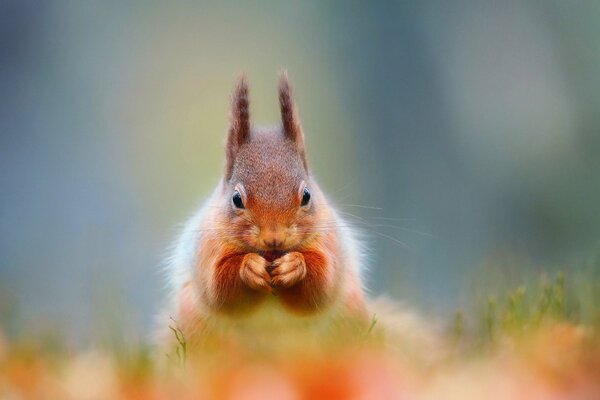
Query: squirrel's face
(268, 192)
(269, 197)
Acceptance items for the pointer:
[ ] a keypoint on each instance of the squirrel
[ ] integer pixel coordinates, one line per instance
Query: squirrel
(267, 245)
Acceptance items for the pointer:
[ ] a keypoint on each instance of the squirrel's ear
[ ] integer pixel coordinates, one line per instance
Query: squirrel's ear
(289, 116)
(239, 125)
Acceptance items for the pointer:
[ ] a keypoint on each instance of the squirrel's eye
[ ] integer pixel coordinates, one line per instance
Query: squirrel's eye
(237, 199)
(305, 197)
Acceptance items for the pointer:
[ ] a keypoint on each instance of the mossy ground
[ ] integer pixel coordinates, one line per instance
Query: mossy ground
(537, 340)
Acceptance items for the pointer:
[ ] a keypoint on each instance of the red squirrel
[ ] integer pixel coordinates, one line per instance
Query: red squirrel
(267, 245)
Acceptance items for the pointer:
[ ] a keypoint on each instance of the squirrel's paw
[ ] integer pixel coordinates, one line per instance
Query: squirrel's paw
(288, 270)
(253, 272)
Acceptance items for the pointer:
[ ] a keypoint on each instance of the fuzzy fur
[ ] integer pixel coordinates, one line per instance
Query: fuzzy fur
(276, 265)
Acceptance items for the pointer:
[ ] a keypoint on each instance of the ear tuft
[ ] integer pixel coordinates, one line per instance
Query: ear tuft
(289, 116)
(289, 119)
(239, 126)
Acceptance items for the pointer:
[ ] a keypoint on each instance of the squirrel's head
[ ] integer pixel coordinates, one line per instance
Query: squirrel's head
(268, 194)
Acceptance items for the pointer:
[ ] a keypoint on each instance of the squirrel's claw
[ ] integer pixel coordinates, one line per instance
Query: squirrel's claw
(288, 270)
(253, 272)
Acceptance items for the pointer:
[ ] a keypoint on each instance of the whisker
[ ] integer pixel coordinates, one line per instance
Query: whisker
(361, 206)
(393, 219)
(400, 242)
(345, 187)
(368, 224)
(418, 232)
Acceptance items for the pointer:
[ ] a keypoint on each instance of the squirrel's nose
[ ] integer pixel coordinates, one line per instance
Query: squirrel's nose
(273, 236)
(273, 243)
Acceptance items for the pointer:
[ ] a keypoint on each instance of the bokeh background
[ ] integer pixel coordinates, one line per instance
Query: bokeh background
(463, 136)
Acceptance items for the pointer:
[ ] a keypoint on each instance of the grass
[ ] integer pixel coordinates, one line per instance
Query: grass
(522, 310)
(180, 345)
(371, 325)
(540, 339)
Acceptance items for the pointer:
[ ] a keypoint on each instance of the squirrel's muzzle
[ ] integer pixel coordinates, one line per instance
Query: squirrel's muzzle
(273, 243)
(274, 237)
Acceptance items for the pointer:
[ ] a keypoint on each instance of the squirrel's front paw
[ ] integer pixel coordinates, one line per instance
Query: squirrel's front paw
(253, 272)
(288, 270)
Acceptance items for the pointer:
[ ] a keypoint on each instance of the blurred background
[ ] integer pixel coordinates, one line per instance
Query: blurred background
(463, 138)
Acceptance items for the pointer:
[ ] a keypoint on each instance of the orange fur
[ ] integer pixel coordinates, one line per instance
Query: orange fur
(272, 245)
